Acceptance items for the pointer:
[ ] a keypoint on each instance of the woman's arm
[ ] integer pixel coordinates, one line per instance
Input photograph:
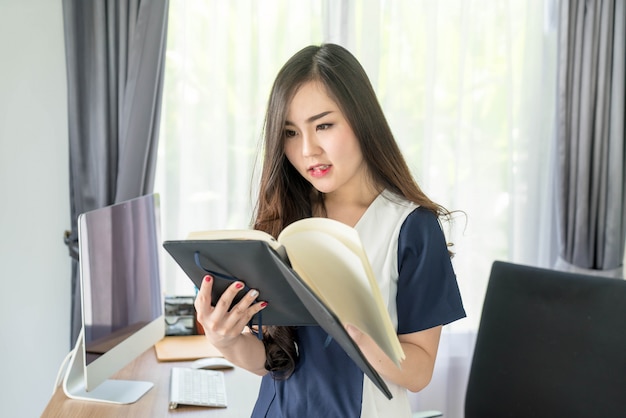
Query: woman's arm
(227, 329)
(420, 349)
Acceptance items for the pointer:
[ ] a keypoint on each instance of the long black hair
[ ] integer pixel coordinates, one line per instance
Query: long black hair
(285, 196)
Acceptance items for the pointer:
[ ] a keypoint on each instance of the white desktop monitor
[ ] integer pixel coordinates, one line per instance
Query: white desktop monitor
(122, 303)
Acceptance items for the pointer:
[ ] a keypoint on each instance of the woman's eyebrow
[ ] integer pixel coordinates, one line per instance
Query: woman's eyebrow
(312, 118)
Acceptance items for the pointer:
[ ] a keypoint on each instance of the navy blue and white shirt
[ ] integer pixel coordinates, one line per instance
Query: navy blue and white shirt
(409, 257)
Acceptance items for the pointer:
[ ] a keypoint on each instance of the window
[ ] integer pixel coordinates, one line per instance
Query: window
(468, 88)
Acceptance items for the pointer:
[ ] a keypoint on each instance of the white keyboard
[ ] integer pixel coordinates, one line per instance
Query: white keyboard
(198, 387)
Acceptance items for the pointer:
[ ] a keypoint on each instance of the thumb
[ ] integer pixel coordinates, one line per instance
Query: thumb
(354, 332)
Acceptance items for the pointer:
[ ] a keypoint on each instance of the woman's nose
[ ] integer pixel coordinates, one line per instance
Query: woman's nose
(310, 146)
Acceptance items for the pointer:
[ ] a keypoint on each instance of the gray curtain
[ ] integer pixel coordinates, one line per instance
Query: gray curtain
(591, 192)
(115, 53)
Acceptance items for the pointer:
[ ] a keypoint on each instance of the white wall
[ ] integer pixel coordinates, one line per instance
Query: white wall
(34, 204)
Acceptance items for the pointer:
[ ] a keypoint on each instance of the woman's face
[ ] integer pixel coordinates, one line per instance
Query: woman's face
(320, 143)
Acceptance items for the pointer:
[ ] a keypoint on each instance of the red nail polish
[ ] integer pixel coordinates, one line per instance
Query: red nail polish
(239, 285)
(263, 304)
(207, 278)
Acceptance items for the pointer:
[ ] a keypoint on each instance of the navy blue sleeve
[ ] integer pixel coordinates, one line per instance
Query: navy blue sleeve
(428, 293)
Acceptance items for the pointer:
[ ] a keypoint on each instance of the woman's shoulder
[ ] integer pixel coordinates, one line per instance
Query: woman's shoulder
(390, 203)
(386, 213)
(421, 226)
(394, 199)
(407, 214)
(415, 226)
(413, 211)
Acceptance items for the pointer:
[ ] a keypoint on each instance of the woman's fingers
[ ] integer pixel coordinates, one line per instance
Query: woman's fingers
(246, 308)
(203, 298)
(354, 333)
(223, 318)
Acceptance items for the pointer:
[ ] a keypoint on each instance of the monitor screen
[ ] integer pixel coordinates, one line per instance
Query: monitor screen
(122, 303)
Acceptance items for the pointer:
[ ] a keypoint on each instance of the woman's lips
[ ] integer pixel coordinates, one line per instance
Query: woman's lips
(319, 170)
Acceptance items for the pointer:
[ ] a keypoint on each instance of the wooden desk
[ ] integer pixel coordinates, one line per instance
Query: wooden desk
(241, 391)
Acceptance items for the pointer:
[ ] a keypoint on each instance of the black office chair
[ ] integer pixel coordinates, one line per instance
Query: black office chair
(550, 344)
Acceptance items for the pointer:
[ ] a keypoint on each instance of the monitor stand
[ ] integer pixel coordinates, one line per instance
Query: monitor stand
(111, 390)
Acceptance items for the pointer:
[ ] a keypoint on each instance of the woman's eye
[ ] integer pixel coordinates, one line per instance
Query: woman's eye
(323, 126)
(289, 133)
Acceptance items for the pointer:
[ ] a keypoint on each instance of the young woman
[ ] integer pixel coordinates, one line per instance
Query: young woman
(329, 152)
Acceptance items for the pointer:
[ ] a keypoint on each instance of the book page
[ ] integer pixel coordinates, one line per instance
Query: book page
(239, 234)
(329, 256)
(233, 234)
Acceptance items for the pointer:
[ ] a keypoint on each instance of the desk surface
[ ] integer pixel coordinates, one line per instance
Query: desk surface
(241, 391)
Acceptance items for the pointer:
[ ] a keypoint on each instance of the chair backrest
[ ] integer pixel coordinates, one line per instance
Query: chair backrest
(549, 344)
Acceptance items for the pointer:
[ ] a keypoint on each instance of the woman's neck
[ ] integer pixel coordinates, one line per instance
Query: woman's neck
(347, 208)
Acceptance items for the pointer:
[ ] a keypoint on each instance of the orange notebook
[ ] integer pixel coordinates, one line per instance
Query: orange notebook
(185, 348)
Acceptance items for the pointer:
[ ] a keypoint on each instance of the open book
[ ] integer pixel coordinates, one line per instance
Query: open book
(315, 273)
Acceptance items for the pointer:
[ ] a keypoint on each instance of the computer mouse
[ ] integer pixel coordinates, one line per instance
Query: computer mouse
(212, 363)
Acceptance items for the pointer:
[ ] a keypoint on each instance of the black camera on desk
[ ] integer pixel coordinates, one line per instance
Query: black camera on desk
(180, 316)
